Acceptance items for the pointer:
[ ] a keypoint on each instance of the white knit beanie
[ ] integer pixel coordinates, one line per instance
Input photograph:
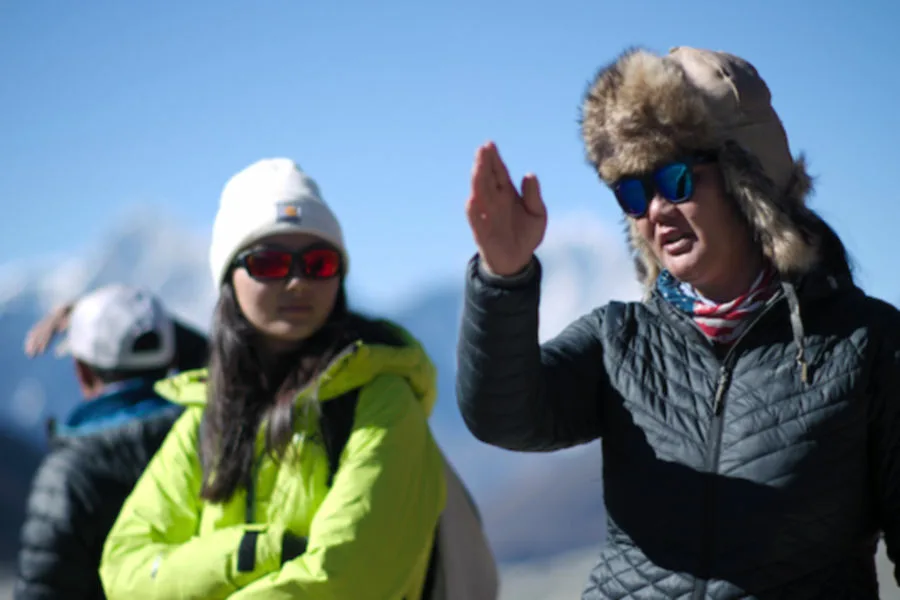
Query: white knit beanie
(271, 196)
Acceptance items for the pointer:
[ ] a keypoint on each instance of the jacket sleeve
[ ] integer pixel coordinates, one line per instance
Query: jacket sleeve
(378, 519)
(56, 555)
(885, 440)
(514, 392)
(153, 551)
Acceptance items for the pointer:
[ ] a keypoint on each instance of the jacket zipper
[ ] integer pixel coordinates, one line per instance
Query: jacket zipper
(714, 441)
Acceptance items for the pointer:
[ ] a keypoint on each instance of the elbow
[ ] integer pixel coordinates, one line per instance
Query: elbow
(486, 419)
(108, 581)
(511, 420)
(480, 430)
(109, 573)
(496, 398)
(491, 437)
(476, 413)
(118, 581)
(114, 572)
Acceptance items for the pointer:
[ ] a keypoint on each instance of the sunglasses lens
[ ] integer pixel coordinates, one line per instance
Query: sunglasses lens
(268, 264)
(632, 197)
(321, 263)
(675, 182)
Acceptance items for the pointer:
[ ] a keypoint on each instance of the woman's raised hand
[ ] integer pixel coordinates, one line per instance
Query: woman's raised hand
(507, 226)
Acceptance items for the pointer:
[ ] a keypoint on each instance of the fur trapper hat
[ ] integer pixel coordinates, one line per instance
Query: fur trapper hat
(644, 109)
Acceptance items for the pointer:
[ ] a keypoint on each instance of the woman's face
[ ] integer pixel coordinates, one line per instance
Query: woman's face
(289, 309)
(702, 241)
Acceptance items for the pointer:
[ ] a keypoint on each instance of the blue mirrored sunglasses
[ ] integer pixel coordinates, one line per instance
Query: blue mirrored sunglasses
(673, 181)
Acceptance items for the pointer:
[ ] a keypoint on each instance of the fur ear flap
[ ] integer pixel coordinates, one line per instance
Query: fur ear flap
(645, 264)
(780, 223)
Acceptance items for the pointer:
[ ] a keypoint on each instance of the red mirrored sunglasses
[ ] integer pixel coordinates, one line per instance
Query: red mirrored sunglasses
(270, 264)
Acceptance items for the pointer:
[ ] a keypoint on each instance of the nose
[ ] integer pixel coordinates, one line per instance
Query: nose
(294, 282)
(659, 207)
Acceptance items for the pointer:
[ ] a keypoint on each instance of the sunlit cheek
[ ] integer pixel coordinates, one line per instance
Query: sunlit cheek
(326, 294)
(258, 304)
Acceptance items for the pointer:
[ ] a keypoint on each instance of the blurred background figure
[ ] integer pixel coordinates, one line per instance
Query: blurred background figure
(121, 342)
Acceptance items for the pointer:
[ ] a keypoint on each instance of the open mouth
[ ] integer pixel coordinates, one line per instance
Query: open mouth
(676, 242)
(674, 238)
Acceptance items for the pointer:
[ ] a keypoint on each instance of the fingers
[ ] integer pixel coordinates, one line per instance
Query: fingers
(490, 176)
(489, 195)
(44, 331)
(29, 347)
(481, 175)
(531, 196)
(500, 179)
(475, 206)
(35, 341)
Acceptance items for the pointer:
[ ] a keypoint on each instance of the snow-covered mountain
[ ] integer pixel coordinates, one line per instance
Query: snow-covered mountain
(584, 265)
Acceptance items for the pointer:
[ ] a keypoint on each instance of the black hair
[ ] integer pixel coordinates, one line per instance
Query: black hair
(243, 390)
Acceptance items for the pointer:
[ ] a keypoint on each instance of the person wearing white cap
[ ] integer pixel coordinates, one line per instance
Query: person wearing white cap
(121, 341)
(303, 466)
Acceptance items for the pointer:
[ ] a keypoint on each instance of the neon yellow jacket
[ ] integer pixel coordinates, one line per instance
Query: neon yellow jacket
(369, 536)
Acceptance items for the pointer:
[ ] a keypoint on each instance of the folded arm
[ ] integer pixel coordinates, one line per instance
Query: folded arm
(377, 522)
(152, 550)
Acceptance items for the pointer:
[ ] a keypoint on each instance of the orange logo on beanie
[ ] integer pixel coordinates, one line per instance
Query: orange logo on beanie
(287, 212)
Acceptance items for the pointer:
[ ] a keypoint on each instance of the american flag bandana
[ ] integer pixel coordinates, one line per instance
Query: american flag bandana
(721, 323)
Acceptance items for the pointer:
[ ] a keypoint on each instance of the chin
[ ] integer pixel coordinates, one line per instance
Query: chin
(684, 268)
(291, 333)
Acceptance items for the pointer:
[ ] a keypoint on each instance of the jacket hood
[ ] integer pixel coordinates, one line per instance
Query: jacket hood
(644, 109)
(386, 349)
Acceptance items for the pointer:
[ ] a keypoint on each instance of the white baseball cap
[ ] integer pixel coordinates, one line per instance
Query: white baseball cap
(105, 325)
(271, 196)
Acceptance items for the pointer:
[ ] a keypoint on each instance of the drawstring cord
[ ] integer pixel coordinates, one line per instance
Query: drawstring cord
(797, 328)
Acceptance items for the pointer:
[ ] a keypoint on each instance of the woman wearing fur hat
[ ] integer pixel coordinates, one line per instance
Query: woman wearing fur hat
(252, 495)
(748, 406)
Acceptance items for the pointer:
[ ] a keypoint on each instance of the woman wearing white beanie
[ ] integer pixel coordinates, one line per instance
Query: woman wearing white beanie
(245, 498)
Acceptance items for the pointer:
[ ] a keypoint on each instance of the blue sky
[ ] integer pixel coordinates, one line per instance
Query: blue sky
(106, 104)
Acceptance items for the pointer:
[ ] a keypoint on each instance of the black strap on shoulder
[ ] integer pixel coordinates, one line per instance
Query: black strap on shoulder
(335, 426)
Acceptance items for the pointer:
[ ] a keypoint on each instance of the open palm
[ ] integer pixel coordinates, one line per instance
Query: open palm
(507, 226)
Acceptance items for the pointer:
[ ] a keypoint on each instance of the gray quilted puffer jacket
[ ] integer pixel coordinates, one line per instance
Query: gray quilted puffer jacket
(767, 471)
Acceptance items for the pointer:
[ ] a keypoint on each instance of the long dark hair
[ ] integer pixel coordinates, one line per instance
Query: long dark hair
(244, 390)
